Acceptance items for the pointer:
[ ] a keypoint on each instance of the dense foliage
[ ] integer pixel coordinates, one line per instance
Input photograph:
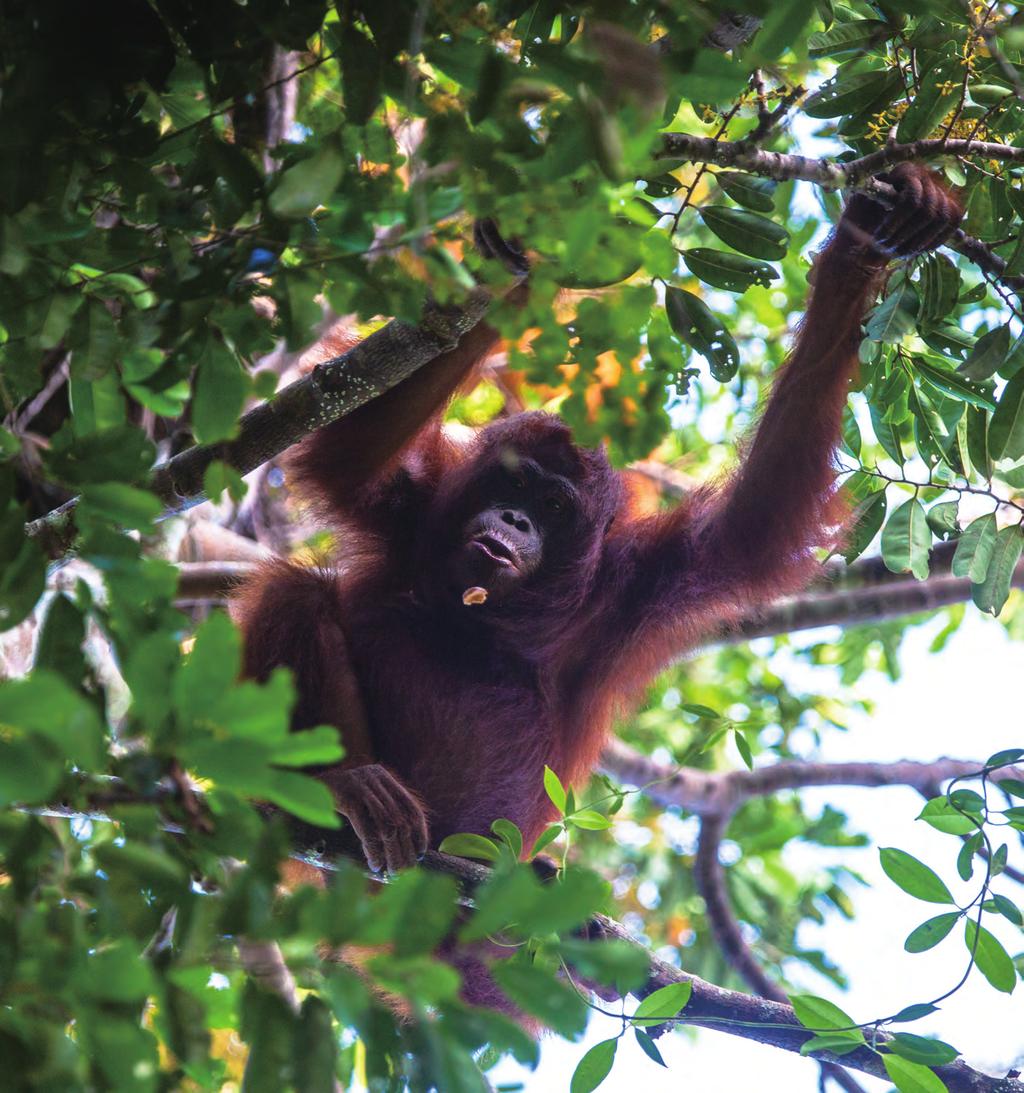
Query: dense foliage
(184, 188)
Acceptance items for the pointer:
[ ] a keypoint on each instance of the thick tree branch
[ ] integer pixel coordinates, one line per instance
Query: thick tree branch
(330, 391)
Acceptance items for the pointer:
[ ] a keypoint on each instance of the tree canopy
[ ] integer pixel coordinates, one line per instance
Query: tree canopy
(190, 195)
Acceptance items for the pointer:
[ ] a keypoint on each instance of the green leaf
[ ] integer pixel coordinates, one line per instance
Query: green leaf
(733, 272)
(819, 1013)
(615, 963)
(914, 877)
(911, 1077)
(1008, 909)
(975, 548)
(994, 591)
(545, 839)
(967, 800)
(590, 820)
(44, 705)
(851, 441)
(554, 789)
(848, 37)
(950, 383)
(694, 323)
(930, 933)
(308, 183)
(746, 231)
(315, 1048)
(743, 747)
(924, 1049)
(1003, 757)
(940, 87)
(60, 310)
(1006, 432)
(783, 25)
(114, 974)
(748, 190)
(705, 712)
(648, 1046)
(428, 908)
(940, 814)
(988, 354)
(915, 1012)
(220, 392)
(117, 503)
(894, 316)
(907, 539)
(123, 454)
(989, 94)
(663, 1004)
(212, 667)
(992, 959)
(303, 796)
(30, 771)
(510, 835)
(361, 71)
(662, 186)
(93, 340)
(939, 288)
(540, 994)
(948, 340)
(865, 520)
(942, 519)
(557, 907)
(839, 1043)
(61, 641)
(852, 94)
(468, 845)
(297, 749)
(887, 434)
(594, 1067)
(220, 476)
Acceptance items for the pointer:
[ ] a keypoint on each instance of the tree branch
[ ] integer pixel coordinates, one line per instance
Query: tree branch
(330, 391)
(855, 606)
(773, 1023)
(763, 1020)
(833, 175)
(709, 876)
(720, 793)
(752, 1018)
(852, 174)
(866, 591)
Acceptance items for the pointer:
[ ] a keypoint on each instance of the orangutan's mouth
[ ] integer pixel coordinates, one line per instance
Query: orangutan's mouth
(497, 549)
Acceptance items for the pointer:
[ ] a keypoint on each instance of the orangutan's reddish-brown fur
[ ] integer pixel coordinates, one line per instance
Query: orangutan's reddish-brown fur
(465, 705)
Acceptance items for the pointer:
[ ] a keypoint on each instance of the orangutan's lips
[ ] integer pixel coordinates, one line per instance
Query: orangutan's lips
(496, 549)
